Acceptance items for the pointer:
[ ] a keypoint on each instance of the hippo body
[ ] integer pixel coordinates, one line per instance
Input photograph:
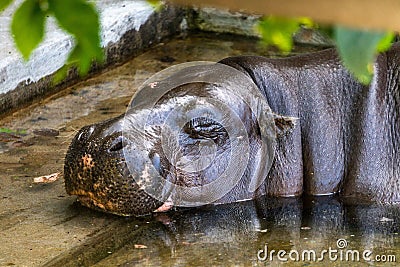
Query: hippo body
(347, 137)
(344, 142)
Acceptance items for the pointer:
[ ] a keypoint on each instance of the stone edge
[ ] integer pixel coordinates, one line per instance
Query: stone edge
(167, 22)
(159, 26)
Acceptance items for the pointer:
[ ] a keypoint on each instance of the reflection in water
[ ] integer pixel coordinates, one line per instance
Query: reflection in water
(234, 234)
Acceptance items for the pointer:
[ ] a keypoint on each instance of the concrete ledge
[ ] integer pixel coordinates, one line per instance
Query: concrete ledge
(223, 21)
(128, 27)
(234, 22)
(374, 14)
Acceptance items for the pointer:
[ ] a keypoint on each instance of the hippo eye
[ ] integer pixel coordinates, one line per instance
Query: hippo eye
(117, 144)
(203, 127)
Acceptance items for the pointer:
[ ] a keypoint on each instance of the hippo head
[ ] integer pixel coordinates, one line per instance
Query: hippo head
(204, 134)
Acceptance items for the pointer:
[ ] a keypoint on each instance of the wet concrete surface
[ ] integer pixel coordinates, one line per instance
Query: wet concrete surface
(40, 225)
(127, 29)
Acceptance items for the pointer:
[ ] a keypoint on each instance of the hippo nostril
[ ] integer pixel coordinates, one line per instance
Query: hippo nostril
(85, 133)
(80, 136)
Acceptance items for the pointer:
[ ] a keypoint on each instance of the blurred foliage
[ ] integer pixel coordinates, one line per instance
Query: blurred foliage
(4, 4)
(156, 4)
(28, 26)
(10, 131)
(357, 48)
(279, 31)
(79, 18)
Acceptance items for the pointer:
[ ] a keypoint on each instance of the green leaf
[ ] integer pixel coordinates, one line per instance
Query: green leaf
(386, 42)
(279, 32)
(61, 73)
(4, 4)
(358, 50)
(80, 57)
(10, 131)
(6, 130)
(80, 19)
(28, 26)
(156, 4)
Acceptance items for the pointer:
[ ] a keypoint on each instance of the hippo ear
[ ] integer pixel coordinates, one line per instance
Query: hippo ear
(271, 126)
(284, 125)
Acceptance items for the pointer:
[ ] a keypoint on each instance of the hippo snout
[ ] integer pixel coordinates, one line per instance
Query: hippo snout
(95, 170)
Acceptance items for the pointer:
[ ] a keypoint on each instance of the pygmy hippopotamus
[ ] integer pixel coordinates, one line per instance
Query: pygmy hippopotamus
(310, 128)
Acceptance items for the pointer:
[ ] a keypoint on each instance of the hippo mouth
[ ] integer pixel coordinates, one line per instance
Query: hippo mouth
(166, 206)
(88, 199)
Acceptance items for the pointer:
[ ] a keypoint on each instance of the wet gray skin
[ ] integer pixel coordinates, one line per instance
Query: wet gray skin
(345, 142)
